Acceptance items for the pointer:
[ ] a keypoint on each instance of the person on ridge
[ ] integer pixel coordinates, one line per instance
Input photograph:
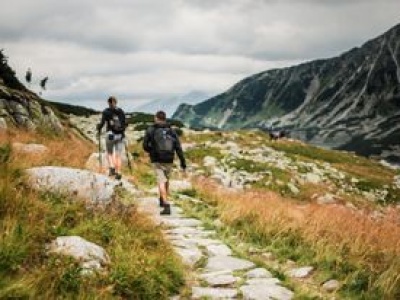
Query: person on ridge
(114, 118)
(161, 142)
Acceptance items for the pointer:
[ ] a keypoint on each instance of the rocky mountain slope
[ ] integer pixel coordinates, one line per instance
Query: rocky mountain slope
(21, 107)
(348, 102)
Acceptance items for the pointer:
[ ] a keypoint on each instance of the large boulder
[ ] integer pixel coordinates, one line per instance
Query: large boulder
(82, 184)
(89, 255)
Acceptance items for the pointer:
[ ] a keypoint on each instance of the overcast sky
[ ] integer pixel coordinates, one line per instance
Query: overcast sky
(142, 50)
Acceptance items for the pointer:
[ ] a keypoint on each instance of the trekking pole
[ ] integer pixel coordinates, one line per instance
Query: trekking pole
(100, 155)
(127, 157)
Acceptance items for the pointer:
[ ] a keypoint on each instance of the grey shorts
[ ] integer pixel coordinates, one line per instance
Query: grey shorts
(163, 171)
(114, 143)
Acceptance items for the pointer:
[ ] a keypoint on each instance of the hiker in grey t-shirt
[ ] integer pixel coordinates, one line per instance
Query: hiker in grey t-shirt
(114, 118)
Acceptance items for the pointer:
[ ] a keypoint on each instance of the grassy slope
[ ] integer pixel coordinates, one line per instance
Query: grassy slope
(143, 265)
(342, 243)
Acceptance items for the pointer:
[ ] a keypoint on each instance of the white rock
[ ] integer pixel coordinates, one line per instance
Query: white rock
(213, 293)
(209, 161)
(220, 263)
(220, 280)
(301, 272)
(89, 254)
(293, 188)
(190, 256)
(313, 178)
(181, 222)
(326, 199)
(258, 273)
(216, 250)
(265, 292)
(3, 123)
(331, 285)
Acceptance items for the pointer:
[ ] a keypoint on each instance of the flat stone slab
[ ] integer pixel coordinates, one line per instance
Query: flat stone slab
(220, 263)
(258, 273)
(183, 243)
(181, 222)
(213, 293)
(189, 256)
(218, 250)
(184, 231)
(190, 232)
(204, 242)
(263, 281)
(263, 292)
(220, 280)
(78, 183)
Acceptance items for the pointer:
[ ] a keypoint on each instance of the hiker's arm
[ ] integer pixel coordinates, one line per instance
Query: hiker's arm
(147, 141)
(178, 149)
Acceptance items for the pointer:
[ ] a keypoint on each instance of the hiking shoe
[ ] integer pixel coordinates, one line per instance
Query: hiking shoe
(111, 172)
(118, 176)
(166, 210)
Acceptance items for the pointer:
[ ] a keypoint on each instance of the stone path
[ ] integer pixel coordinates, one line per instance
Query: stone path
(219, 274)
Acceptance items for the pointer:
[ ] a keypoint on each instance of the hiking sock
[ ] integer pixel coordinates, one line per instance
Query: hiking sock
(111, 172)
(162, 203)
(166, 210)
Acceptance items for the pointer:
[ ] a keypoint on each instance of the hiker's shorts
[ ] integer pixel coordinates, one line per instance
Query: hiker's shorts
(114, 143)
(163, 171)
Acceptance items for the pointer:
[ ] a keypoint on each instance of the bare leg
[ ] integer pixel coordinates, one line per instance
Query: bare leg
(162, 187)
(117, 163)
(110, 159)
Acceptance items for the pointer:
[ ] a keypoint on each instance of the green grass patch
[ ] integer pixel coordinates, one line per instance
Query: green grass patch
(197, 154)
(143, 265)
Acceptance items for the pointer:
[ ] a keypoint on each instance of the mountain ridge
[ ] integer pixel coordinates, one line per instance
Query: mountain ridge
(335, 102)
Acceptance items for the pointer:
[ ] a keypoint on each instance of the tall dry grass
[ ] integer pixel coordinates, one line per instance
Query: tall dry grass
(63, 150)
(362, 251)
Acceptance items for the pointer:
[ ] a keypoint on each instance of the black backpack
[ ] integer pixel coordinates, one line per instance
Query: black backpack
(164, 144)
(116, 123)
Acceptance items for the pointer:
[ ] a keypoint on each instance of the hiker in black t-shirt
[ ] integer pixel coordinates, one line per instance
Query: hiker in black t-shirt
(161, 142)
(114, 118)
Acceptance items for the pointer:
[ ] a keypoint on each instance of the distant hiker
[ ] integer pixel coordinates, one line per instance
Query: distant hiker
(28, 76)
(276, 135)
(43, 82)
(114, 117)
(161, 142)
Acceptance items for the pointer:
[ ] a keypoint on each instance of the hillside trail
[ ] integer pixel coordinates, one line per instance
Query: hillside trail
(215, 271)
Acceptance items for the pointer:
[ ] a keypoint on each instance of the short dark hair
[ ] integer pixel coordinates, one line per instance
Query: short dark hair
(112, 99)
(161, 115)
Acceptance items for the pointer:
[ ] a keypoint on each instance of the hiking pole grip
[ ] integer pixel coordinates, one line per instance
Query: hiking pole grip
(100, 154)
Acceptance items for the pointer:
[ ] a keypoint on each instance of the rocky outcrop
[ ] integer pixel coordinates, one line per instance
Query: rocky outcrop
(20, 107)
(348, 102)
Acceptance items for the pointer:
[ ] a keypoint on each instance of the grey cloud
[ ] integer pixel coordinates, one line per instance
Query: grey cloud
(146, 49)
